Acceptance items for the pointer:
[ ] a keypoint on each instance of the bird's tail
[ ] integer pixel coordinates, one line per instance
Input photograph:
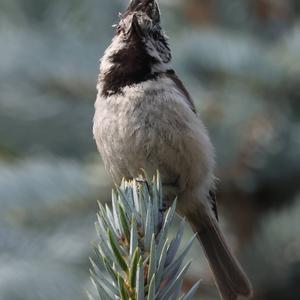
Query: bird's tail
(231, 280)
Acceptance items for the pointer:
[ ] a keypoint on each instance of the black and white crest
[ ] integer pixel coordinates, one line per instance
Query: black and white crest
(139, 50)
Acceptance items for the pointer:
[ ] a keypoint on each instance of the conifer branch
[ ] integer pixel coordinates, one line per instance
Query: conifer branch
(136, 259)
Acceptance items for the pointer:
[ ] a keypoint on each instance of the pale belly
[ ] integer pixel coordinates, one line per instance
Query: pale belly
(143, 133)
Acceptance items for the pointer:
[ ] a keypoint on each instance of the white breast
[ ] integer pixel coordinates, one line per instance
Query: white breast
(151, 126)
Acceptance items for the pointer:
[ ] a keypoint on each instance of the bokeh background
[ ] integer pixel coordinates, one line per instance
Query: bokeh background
(240, 59)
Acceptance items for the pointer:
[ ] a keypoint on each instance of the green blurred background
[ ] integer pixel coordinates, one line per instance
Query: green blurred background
(240, 59)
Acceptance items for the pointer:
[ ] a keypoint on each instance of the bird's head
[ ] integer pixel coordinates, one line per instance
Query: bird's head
(140, 23)
(139, 48)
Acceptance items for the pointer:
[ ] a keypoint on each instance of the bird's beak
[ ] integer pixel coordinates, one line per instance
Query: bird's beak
(149, 7)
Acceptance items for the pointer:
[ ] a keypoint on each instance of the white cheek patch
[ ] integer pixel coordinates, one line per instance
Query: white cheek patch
(116, 45)
(165, 53)
(162, 55)
(152, 50)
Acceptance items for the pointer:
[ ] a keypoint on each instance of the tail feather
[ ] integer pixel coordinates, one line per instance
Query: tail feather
(229, 276)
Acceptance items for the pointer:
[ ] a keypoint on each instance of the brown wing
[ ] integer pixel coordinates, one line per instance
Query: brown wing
(172, 75)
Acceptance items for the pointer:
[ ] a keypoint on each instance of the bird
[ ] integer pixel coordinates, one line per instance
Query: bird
(146, 119)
